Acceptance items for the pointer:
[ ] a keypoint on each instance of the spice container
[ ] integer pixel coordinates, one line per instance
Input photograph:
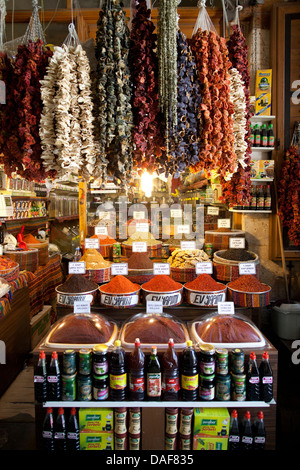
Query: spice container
(221, 362)
(237, 361)
(207, 387)
(170, 441)
(84, 387)
(120, 292)
(100, 360)
(140, 268)
(76, 288)
(171, 421)
(68, 387)
(85, 361)
(69, 362)
(163, 288)
(223, 387)
(238, 386)
(204, 291)
(120, 420)
(228, 269)
(248, 291)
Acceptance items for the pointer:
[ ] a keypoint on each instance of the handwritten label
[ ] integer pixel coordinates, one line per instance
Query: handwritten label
(82, 307)
(212, 210)
(119, 268)
(176, 213)
(77, 267)
(92, 243)
(183, 228)
(161, 268)
(226, 308)
(138, 214)
(247, 268)
(237, 243)
(104, 215)
(223, 223)
(142, 227)
(204, 268)
(101, 230)
(188, 245)
(153, 306)
(139, 247)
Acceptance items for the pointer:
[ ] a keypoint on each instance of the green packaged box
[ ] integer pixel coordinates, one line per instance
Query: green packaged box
(96, 420)
(212, 422)
(96, 440)
(210, 443)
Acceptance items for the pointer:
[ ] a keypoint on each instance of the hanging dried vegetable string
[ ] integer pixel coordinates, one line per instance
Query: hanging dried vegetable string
(147, 134)
(113, 93)
(237, 190)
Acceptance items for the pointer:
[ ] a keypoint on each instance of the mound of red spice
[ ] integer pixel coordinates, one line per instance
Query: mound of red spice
(161, 283)
(204, 283)
(119, 285)
(248, 283)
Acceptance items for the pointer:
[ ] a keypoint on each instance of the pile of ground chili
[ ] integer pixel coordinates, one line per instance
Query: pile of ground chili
(248, 283)
(120, 285)
(204, 283)
(161, 283)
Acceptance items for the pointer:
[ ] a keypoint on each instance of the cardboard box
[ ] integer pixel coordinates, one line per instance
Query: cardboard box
(211, 422)
(210, 443)
(96, 440)
(263, 92)
(39, 325)
(262, 169)
(96, 420)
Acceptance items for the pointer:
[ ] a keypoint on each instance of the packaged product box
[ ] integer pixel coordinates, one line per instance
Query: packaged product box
(96, 420)
(211, 422)
(96, 440)
(210, 443)
(40, 324)
(262, 169)
(263, 92)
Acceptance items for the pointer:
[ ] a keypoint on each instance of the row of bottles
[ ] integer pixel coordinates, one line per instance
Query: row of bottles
(245, 435)
(61, 433)
(260, 199)
(262, 136)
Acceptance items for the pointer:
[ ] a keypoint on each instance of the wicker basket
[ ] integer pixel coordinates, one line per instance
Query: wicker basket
(28, 260)
(228, 270)
(183, 275)
(220, 240)
(10, 274)
(43, 249)
(249, 299)
(99, 276)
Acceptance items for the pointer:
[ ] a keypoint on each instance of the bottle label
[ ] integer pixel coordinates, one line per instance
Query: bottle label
(189, 383)
(271, 141)
(207, 368)
(171, 385)
(260, 202)
(234, 439)
(267, 380)
(247, 439)
(254, 380)
(100, 393)
(257, 139)
(59, 435)
(259, 440)
(137, 384)
(171, 424)
(264, 141)
(39, 379)
(118, 382)
(154, 385)
(185, 424)
(72, 435)
(100, 368)
(134, 423)
(53, 379)
(47, 434)
(268, 202)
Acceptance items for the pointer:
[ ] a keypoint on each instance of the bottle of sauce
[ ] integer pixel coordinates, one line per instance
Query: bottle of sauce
(264, 136)
(246, 433)
(253, 202)
(234, 432)
(189, 373)
(48, 431)
(60, 431)
(260, 198)
(251, 135)
(266, 379)
(40, 379)
(170, 373)
(257, 136)
(153, 376)
(72, 432)
(271, 137)
(252, 385)
(117, 373)
(53, 379)
(136, 379)
(268, 200)
(259, 432)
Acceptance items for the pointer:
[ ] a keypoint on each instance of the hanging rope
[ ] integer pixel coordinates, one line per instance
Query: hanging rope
(34, 29)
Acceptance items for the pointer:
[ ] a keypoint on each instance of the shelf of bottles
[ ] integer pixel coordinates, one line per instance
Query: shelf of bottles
(158, 404)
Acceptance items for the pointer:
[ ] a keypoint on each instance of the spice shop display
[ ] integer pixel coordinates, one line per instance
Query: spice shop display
(183, 263)
(226, 263)
(76, 288)
(204, 291)
(223, 330)
(97, 269)
(162, 288)
(248, 291)
(75, 331)
(120, 292)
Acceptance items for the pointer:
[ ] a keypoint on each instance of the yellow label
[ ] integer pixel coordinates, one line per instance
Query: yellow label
(189, 383)
(118, 382)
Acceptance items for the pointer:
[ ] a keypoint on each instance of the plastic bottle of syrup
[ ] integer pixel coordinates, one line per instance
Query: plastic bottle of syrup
(260, 198)
(257, 136)
(73, 432)
(136, 379)
(259, 432)
(268, 200)
(60, 431)
(246, 433)
(48, 430)
(264, 136)
(253, 202)
(170, 373)
(266, 378)
(40, 379)
(189, 373)
(271, 137)
(153, 376)
(251, 135)
(117, 373)
(234, 432)
(53, 379)
(253, 385)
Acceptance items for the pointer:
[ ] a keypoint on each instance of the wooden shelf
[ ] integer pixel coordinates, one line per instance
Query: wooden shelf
(262, 149)
(250, 211)
(262, 118)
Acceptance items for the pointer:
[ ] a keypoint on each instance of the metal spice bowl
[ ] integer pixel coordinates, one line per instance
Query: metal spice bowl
(124, 300)
(68, 299)
(205, 299)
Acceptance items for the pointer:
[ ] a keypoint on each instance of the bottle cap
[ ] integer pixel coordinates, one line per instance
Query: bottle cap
(247, 415)
(60, 411)
(49, 410)
(234, 413)
(117, 343)
(42, 355)
(252, 355)
(265, 355)
(171, 341)
(137, 342)
(54, 355)
(73, 411)
(189, 343)
(260, 415)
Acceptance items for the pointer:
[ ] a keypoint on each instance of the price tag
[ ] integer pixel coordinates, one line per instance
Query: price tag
(226, 308)
(247, 268)
(154, 306)
(119, 268)
(212, 210)
(82, 307)
(237, 243)
(77, 267)
(161, 268)
(101, 230)
(142, 227)
(223, 223)
(176, 213)
(138, 215)
(92, 243)
(204, 268)
(139, 247)
(187, 245)
(183, 228)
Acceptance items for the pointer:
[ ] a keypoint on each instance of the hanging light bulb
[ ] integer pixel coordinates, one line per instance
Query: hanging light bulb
(147, 183)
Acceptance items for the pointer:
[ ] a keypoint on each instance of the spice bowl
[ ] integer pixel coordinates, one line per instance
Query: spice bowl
(153, 251)
(123, 300)
(228, 270)
(99, 276)
(205, 299)
(139, 276)
(68, 299)
(168, 299)
(249, 299)
(183, 274)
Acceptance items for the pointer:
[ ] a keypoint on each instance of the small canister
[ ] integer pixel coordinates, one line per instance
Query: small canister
(69, 362)
(100, 361)
(170, 441)
(207, 387)
(120, 441)
(85, 362)
(222, 362)
(238, 387)
(185, 422)
(237, 361)
(84, 387)
(134, 441)
(100, 387)
(68, 387)
(171, 421)
(207, 359)
(209, 249)
(116, 250)
(134, 425)
(165, 250)
(120, 420)
(185, 442)
(223, 387)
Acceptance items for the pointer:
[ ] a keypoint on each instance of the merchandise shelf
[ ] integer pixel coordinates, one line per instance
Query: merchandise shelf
(158, 404)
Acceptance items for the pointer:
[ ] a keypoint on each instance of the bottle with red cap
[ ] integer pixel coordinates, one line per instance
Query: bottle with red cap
(259, 432)
(234, 432)
(53, 379)
(266, 378)
(136, 376)
(72, 437)
(48, 430)
(246, 432)
(40, 379)
(253, 382)
(170, 373)
(60, 431)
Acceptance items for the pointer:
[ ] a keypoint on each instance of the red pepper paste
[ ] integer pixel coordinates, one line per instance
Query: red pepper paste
(120, 285)
(248, 283)
(161, 283)
(204, 283)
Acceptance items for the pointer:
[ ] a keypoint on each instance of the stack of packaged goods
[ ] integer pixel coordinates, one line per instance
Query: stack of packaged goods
(211, 429)
(96, 428)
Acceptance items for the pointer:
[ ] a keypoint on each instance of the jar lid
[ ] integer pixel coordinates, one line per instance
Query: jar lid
(100, 348)
(207, 348)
